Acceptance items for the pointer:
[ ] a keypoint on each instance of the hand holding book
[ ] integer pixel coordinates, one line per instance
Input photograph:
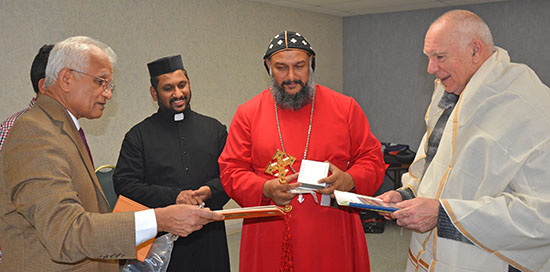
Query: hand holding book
(364, 202)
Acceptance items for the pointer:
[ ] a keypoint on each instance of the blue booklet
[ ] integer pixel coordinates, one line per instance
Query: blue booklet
(363, 202)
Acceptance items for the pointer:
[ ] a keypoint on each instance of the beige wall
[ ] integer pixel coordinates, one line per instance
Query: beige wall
(222, 43)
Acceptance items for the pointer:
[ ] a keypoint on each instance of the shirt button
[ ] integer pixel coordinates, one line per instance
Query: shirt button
(184, 152)
(186, 169)
(183, 138)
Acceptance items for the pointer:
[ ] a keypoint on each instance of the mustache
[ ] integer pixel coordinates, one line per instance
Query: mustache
(174, 99)
(296, 81)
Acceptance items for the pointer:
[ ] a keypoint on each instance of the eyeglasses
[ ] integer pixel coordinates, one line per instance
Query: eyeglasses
(107, 85)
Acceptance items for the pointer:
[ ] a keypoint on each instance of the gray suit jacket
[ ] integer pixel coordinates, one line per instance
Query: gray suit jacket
(53, 213)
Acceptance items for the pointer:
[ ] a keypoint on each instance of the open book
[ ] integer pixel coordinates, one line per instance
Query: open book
(363, 202)
(252, 212)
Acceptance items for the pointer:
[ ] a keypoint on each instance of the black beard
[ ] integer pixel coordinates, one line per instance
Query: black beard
(292, 101)
(169, 109)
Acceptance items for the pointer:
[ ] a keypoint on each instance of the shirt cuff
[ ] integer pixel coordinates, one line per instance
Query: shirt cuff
(406, 193)
(446, 228)
(146, 225)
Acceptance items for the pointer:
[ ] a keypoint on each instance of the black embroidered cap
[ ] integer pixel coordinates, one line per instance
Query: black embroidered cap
(165, 65)
(288, 40)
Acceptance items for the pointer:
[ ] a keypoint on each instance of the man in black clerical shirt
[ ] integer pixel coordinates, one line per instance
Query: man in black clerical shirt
(172, 157)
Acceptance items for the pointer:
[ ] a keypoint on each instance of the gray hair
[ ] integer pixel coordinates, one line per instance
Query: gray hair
(469, 26)
(74, 53)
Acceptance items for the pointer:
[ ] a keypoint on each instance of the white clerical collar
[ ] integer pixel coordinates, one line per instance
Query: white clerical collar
(179, 116)
(75, 121)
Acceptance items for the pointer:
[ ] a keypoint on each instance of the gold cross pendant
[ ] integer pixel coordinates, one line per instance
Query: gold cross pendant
(278, 168)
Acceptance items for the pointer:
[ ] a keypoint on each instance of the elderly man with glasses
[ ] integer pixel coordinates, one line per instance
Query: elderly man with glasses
(53, 213)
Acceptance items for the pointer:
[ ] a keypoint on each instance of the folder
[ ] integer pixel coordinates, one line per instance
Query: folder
(252, 212)
(125, 204)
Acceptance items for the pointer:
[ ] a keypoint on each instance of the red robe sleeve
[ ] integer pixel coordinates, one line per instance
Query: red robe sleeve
(367, 165)
(236, 171)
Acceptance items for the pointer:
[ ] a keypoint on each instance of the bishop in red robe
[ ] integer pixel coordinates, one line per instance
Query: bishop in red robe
(307, 121)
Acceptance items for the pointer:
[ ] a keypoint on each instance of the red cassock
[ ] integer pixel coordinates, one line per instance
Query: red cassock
(322, 238)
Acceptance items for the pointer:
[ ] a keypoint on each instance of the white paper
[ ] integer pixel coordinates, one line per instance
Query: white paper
(311, 172)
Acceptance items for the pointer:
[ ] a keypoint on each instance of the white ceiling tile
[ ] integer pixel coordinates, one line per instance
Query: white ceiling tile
(403, 7)
(291, 4)
(335, 12)
(323, 2)
(359, 7)
(384, 4)
(467, 2)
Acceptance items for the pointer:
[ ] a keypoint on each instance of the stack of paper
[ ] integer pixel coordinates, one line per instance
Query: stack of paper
(310, 173)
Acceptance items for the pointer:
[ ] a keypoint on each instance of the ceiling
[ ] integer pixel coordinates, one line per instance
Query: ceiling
(361, 7)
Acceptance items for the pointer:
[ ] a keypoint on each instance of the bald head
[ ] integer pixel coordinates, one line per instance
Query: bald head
(457, 44)
(465, 26)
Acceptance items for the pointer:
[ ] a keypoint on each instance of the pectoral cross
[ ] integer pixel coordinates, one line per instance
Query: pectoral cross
(278, 169)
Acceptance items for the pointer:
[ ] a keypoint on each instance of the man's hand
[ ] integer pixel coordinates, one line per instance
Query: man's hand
(339, 180)
(418, 214)
(390, 196)
(187, 197)
(204, 193)
(182, 220)
(278, 192)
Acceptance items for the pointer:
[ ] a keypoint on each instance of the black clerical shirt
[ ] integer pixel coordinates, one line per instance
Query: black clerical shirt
(161, 157)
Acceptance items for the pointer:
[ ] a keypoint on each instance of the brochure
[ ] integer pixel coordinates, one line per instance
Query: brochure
(363, 202)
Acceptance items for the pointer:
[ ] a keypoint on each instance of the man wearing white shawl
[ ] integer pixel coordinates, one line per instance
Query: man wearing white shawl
(478, 193)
